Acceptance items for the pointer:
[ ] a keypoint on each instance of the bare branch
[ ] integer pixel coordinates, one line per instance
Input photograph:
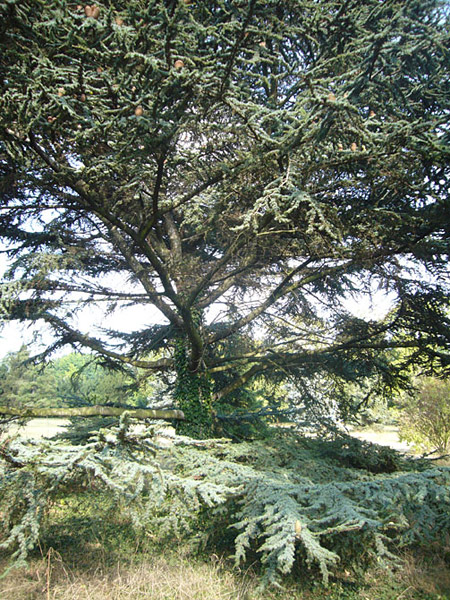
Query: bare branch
(92, 411)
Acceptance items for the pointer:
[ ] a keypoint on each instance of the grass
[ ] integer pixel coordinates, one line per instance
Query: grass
(155, 579)
(89, 551)
(179, 577)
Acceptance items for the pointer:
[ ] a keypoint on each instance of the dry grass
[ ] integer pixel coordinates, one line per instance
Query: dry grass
(159, 579)
(430, 577)
(423, 577)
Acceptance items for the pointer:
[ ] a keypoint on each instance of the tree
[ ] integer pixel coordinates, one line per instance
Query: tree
(70, 380)
(425, 415)
(239, 166)
(22, 383)
(79, 380)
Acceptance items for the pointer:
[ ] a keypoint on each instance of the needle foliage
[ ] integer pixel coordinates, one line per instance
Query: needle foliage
(238, 169)
(287, 501)
(234, 167)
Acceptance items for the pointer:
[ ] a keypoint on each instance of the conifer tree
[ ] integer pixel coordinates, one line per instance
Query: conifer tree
(243, 166)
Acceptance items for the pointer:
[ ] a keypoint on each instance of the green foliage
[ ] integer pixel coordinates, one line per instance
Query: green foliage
(22, 382)
(253, 162)
(424, 417)
(71, 380)
(283, 498)
(358, 454)
(246, 413)
(80, 380)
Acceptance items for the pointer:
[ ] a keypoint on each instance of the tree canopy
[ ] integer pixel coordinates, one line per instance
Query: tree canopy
(240, 167)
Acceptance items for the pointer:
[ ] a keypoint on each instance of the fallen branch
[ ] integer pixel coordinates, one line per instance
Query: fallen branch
(92, 411)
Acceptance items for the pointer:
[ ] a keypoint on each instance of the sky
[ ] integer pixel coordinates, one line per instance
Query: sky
(14, 335)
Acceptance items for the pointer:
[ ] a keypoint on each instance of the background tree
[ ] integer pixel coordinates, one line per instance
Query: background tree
(70, 380)
(425, 415)
(22, 383)
(239, 166)
(81, 380)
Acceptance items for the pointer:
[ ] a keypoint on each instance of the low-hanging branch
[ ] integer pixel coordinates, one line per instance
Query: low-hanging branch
(92, 411)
